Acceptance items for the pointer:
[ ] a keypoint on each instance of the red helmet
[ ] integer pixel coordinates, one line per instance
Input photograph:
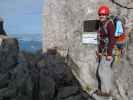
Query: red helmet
(103, 10)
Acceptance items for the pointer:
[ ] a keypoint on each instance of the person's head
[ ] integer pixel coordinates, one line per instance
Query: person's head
(103, 13)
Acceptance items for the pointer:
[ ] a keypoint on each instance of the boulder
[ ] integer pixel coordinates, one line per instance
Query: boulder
(16, 73)
(57, 82)
(9, 49)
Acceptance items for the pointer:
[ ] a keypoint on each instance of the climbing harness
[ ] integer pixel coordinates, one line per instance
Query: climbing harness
(105, 40)
(117, 53)
(122, 40)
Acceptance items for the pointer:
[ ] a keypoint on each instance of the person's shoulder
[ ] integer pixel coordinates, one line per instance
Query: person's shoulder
(110, 22)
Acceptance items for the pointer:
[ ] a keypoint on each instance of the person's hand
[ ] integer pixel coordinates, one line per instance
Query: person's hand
(109, 58)
(98, 55)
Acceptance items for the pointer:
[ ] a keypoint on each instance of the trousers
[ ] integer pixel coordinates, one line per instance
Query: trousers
(104, 75)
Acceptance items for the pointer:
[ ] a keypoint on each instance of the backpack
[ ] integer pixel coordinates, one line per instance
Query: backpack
(120, 35)
(119, 23)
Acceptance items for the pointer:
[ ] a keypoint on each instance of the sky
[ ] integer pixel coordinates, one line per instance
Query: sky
(22, 16)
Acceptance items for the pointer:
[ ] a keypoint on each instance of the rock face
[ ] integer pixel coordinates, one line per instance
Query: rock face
(15, 80)
(25, 76)
(9, 49)
(63, 26)
(57, 81)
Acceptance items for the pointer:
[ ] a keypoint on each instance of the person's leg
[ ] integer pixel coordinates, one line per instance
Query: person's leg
(98, 77)
(105, 74)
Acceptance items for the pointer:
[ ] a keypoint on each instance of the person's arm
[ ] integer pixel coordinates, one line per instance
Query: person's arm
(99, 46)
(111, 30)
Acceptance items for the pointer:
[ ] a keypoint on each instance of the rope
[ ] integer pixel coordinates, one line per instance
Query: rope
(120, 5)
(117, 55)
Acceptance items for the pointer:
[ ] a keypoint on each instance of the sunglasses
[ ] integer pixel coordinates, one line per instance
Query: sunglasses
(102, 14)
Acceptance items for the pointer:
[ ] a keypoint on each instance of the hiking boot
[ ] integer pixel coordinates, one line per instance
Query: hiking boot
(100, 93)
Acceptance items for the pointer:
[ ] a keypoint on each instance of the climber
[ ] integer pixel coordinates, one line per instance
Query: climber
(104, 53)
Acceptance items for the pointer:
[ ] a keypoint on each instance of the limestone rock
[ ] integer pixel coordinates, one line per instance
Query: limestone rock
(15, 78)
(63, 28)
(57, 81)
(9, 49)
(36, 76)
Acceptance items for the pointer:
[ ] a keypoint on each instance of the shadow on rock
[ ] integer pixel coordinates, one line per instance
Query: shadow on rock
(40, 77)
(56, 79)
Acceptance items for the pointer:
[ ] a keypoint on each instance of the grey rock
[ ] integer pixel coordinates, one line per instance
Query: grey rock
(9, 49)
(71, 93)
(30, 77)
(47, 88)
(57, 81)
(102, 97)
(4, 79)
(21, 80)
(68, 91)
(2, 31)
(14, 78)
(63, 28)
(55, 67)
(19, 84)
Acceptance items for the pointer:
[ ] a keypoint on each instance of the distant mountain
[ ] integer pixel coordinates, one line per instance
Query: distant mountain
(29, 42)
(30, 46)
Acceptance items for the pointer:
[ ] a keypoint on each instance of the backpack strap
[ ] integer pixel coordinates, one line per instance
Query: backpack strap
(105, 26)
(106, 39)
